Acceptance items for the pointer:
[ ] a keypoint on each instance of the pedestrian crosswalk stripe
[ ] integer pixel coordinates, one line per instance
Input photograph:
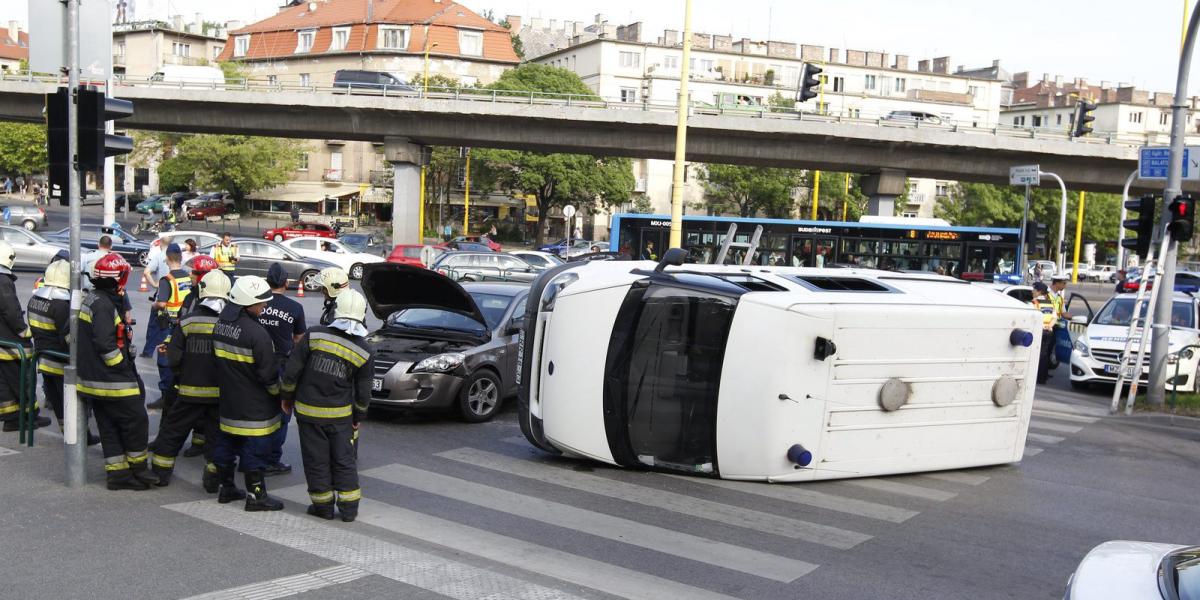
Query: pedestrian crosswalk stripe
(1061, 416)
(1048, 426)
(8, 451)
(1073, 409)
(958, 477)
(336, 543)
(800, 493)
(1044, 438)
(660, 539)
(688, 505)
(287, 586)
(904, 489)
(587, 572)
(1032, 451)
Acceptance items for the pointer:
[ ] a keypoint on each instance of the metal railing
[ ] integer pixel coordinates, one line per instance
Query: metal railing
(27, 393)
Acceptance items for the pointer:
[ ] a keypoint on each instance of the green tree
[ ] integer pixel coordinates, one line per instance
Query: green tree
(22, 148)
(838, 191)
(240, 165)
(236, 71)
(544, 79)
(748, 191)
(780, 103)
(517, 45)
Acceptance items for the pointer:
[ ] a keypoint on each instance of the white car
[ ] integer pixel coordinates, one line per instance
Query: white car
(1096, 355)
(536, 259)
(203, 239)
(1100, 273)
(334, 251)
(1136, 571)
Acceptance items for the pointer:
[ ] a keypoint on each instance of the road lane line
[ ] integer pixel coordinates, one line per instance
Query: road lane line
(1032, 451)
(287, 586)
(957, 477)
(655, 538)
(1073, 409)
(1055, 427)
(587, 572)
(1050, 414)
(1044, 438)
(341, 545)
(904, 489)
(688, 505)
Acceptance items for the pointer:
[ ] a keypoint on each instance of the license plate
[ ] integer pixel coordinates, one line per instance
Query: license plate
(1112, 370)
(376, 385)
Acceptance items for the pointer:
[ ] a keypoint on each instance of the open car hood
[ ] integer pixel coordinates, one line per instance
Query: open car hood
(391, 287)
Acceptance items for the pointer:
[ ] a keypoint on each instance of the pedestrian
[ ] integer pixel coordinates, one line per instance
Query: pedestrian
(226, 254)
(12, 330)
(1058, 286)
(578, 234)
(189, 354)
(447, 232)
(169, 295)
(648, 253)
(49, 311)
(201, 265)
(328, 383)
(156, 269)
(1037, 271)
(189, 251)
(295, 213)
(249, 394)
(283, 318)
(109, 380)
(1043, 303)
(8, 185)
(333, 282)
(21, 184)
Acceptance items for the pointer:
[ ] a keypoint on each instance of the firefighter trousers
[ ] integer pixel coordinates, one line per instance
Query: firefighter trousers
(52, 386)
(330, 462)
(10, 390)
(181, 419)
(248, 452)
(124, 432)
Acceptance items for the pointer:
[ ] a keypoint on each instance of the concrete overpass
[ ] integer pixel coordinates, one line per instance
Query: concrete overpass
(890, 150)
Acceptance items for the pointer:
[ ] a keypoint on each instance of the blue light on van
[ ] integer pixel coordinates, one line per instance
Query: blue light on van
(1012, 278)
(1020, 337)
(799, 455)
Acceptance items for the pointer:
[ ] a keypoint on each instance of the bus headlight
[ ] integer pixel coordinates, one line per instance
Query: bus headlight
(442, 363)
(1082, 348)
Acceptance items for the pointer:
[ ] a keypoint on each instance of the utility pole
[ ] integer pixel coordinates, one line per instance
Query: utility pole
(676, 239)
(1156, 386)
(467, 194)
(75, 413)
(816, 193)
(1078, 236)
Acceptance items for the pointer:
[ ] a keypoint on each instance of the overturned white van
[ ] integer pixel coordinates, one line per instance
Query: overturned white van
(778, 374)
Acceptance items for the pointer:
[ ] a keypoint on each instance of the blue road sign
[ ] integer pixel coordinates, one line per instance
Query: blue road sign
(1154, 162)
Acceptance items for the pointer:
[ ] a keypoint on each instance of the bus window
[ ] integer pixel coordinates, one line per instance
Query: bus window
(801, 252)
(824, 256)
(1006, 262)
(977, 259)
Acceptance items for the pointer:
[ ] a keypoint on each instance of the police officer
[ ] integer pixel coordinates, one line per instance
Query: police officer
(173, 288)
(12, 329)
(249, 392)
(109, 380)
(333, 281)
(201, 265)
(189, 353)
(283, 318)
(50, 321)
(1044, 304)
(226, 254)
(328, 383)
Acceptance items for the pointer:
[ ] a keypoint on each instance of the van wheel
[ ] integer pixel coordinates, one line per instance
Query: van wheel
(479, 399)
(356, 271)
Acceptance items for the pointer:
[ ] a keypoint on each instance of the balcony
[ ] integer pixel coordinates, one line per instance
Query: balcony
(332, 175)
(188, 61)
(118, 60)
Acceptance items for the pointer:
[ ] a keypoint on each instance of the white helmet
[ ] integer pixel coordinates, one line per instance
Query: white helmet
(7, 255)
(58, 275)
(249, 290)
(214, 284)
(334, 280)
(352, 305)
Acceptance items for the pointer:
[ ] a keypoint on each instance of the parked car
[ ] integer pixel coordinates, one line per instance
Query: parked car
(536, 259)
(353, 80)
(1101, 273)
(299, 229)
(29, 216)
(1024, 293)
(153, 204)
(410, 254)
(91, 197)
(256, 256)
(1096, 356)
(1136, 571)
(913, 116)
(1185, 281)
(334, 251)
(464, 247)
(371, 243)
(128, 200)
(33, 252)
(206, 209)
(480, 239)
(584, 247)
(443, 345)
(484, 266)
(557, 248)
(124, 243)
(1049, 269)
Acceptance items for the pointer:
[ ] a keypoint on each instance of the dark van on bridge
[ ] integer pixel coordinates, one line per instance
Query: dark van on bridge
(369, 81)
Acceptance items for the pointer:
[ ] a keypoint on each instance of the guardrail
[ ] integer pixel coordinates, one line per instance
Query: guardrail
(27, 394)
(510, 97)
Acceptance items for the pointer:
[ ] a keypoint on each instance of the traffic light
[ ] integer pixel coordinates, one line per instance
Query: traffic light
(95, 109)
(810, 82)
(1083, 118)
(1183, 218)
(1035, 237)
(1142, 226)
(56, 143)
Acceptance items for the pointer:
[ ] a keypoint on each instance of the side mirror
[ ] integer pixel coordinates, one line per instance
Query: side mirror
(1080, 319)
(515, 326)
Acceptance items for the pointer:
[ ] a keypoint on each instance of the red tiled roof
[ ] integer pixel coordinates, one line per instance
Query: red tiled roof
(11, 51)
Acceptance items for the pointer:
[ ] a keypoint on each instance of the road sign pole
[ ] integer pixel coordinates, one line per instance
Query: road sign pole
(1061, 248)
(75, 414)
(1121, 221)
(1078, 236)
(1021, 236)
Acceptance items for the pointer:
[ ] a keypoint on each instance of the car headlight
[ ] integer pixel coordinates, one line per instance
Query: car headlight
(1172, 358)
(442, 363)
(1082, 348)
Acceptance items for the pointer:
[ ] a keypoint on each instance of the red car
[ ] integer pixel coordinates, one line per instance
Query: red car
(296, 230)
(409, 254)
(479, 239)
(212, 208)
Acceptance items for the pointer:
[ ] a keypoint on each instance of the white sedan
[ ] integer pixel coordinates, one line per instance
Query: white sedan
(1137, 571)
(333, 251)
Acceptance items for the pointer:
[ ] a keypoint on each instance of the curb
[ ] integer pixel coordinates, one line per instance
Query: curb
(1166, 420)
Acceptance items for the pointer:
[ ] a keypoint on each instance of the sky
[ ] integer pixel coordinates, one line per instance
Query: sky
(1099, 40)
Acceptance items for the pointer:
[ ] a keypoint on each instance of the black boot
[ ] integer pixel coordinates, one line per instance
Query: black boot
(93, 439)
(256, 494)
(124, 480)
(142, 473)
(162, 475)
(277, 469)
(227, 491)
(211, 481)
(193, 450)
(348, 510)
(325, 511)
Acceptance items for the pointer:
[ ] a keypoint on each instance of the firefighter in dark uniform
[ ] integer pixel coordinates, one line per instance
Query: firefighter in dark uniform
(201, 265)
(49, 312)
(12, 329)
(108, 379)
(249, 389)
(333, 281)
(328, 383)
(189, 353)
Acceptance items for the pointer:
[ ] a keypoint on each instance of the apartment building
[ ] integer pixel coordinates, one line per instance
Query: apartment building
(14, 46)
(306, 43)
(745, 74)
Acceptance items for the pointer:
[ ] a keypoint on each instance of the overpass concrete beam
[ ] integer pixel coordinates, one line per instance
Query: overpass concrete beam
(882, 188)
(407, 160)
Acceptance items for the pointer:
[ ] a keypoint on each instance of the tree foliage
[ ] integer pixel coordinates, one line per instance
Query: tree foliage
(240, 165)
(22, 148)
(544, 79)
(748, 191)
(838, 191)
(517, 45)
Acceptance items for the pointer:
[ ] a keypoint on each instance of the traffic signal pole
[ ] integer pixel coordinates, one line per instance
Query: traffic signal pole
(75, 413)
(1060, 253)
(1156, 386)
(1121, 221)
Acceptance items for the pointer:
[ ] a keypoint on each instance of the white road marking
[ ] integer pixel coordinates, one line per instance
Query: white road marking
(594, 574)
(799, 493)
(1032, 451)
(679, 503)
(1047, 426)
(905, 489)
(958, 477)
(1061, 416)
(1044, 438)
(287, 586)
(1072, 409)
(663, 540)
(9, 451)
(341, 545)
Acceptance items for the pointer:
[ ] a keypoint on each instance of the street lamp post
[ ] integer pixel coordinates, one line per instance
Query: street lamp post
(1061, 251)
(676, 240)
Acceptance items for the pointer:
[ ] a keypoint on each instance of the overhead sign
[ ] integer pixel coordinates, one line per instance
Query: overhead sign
(1025, 175)
(47, 34)
(568, 211)
(1154, 162)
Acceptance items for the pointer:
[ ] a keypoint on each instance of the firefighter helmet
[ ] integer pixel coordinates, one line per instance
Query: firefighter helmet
(351, 305)
(58, 274)
(214, 284)
(110, 266)
(203, 263)
(7, 255)
(334, 280)
(250, 290)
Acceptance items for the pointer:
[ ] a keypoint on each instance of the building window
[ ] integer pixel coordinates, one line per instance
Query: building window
(901, 85)
(943, 189)
(216, 51)
(1163, 118)
(305, 80)
(272, 79)
(1019, 121)
(854, 113)
(341, 37)
(121, 49)
(630, 59)
(181, 49)
(303, 162)
(791, 76)
(1135, 117)
(671, 62)
(1058, 119)
(706, 64)
(628, 94)
(241, 45)
(869, 83)
(393, 38)
(839, 84)
(470, 43)
(304, 40)
(1037, 120)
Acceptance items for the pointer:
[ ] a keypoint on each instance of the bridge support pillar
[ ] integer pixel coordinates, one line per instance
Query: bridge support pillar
(406, 159)
(882, 189)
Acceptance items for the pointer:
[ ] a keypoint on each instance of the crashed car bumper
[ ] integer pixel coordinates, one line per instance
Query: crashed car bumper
(416, 390)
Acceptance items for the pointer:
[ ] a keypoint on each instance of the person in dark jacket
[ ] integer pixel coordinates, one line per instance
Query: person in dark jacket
(201, 265)
(50, 321)
(189, 353)
(108, 379)
(249, 394)
(328, 383)
(12, 330)
(283, 318)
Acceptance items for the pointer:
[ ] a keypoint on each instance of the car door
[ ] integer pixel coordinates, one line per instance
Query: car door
(252, 258)
(304, 247)
(514, 269)
(28, 253)
(515, 321)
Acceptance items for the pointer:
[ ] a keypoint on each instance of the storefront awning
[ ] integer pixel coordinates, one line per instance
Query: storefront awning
(302, 192)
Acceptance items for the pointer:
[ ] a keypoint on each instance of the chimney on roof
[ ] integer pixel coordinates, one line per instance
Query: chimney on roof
(834, 55)
(995, 62)
(199, 24)
(901, 63)
(177, 22)
(514, 22)
(370, 11)
(670, 37)
(600, 20)
(14, 32)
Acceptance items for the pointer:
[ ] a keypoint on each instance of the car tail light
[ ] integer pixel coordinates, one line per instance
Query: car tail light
(443, 272)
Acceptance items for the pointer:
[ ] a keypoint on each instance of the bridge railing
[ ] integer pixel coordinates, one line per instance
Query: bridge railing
(509, 97)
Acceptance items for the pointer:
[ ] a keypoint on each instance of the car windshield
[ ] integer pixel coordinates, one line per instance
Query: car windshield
(358, 242)
(1119, 310)
(493, 307)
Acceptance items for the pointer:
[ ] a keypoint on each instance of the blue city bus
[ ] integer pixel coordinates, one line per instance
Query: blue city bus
(972, 253)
